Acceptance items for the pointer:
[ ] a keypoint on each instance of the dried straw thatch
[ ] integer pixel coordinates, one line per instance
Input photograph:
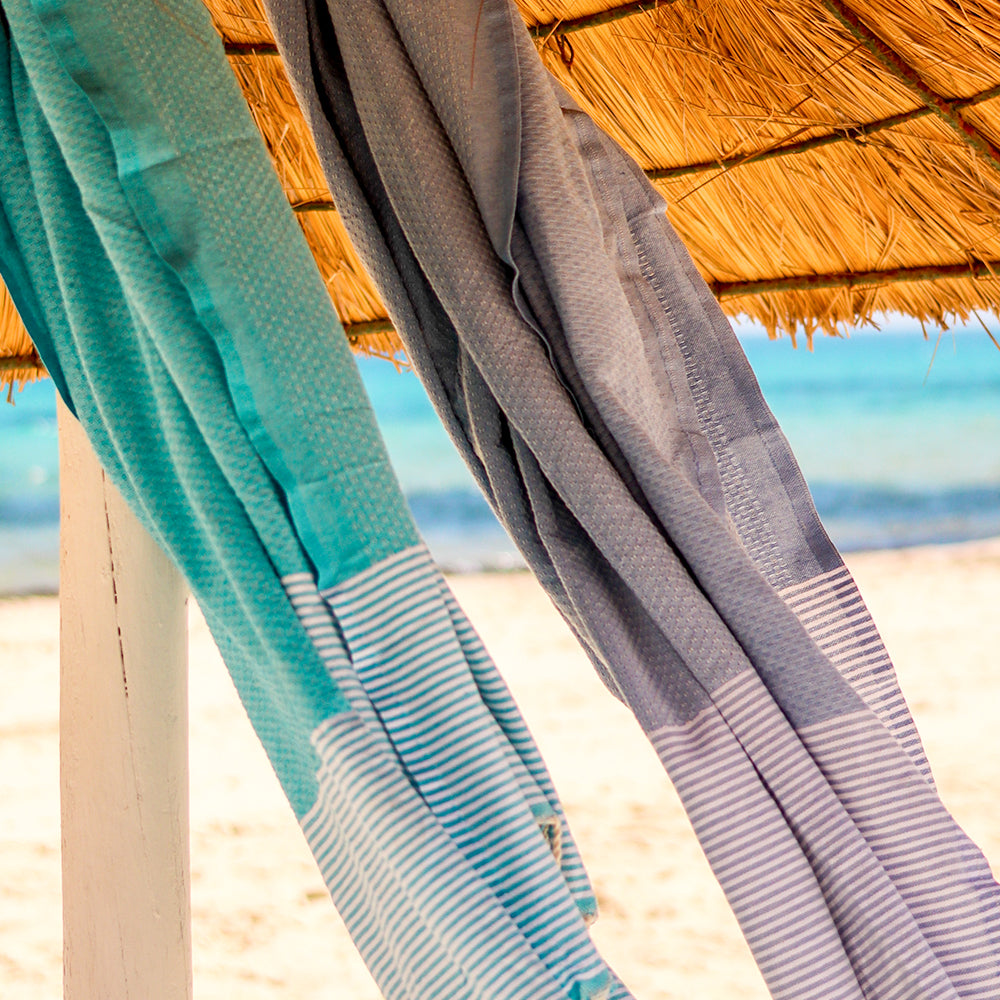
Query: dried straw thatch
(19, 362)
(824, 160)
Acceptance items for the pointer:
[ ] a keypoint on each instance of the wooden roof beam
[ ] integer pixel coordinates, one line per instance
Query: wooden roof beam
(856, 279)
(721, 289)
(847, 133)
(797, 283)
(368, 328)
(19, 362)
(543, 31)
(250, 48)
(897, 65)
(566, 27)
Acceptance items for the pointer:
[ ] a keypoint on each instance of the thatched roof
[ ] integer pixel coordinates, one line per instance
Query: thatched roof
(824, 160)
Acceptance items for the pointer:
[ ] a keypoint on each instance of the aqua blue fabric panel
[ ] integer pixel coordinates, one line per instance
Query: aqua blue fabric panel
(15, 176)
(258, 298)
(210, 514)
(206, 365)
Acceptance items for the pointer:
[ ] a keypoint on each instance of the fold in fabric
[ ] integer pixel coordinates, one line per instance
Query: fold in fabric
(168, 288)
(599, 397)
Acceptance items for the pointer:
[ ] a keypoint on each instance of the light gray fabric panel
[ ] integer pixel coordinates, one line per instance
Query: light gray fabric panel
(603, 404)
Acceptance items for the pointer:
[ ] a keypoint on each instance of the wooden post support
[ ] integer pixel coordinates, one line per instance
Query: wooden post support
(123, 736)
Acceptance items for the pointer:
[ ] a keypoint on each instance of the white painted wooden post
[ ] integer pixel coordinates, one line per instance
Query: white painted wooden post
(123, 735)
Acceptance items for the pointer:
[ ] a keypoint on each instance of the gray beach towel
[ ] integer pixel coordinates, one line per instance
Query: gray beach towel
(595, 389)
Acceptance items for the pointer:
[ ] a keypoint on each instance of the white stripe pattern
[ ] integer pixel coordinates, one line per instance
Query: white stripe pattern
(831, 608)
(432, 796)
(848, 876)
(940, 874)
(767, 878)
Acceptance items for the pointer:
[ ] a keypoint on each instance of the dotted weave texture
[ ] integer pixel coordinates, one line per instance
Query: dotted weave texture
(604, 406)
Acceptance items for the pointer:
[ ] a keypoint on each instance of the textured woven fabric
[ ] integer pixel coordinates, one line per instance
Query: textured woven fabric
(166, 283)
(603, 404)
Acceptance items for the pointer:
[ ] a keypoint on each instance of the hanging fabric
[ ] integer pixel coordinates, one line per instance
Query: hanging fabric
(169, 291)
(602, 402)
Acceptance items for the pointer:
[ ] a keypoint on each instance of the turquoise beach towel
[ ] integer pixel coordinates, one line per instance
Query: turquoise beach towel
(170, 293)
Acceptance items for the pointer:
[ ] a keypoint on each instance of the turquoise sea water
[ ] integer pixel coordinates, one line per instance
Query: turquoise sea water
(897, 450)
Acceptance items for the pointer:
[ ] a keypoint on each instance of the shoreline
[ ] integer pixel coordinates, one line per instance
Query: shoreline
(512, 564)
(263, 925)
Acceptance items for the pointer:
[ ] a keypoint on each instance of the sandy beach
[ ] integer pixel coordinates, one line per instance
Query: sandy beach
(263, 925)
